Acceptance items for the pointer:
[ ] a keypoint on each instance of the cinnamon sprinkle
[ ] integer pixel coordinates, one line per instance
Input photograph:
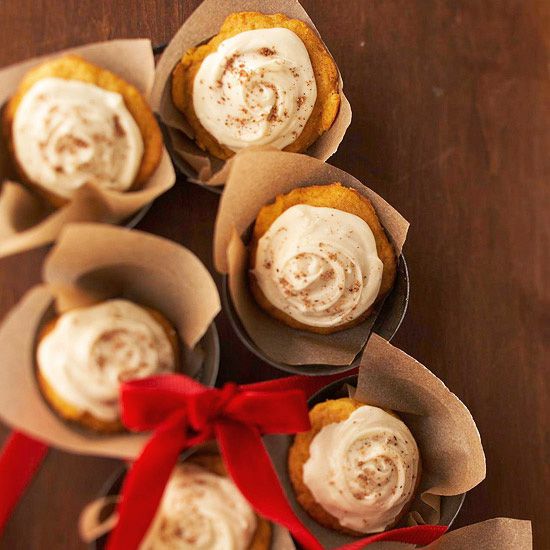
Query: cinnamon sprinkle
(267, 52)
(119, 130)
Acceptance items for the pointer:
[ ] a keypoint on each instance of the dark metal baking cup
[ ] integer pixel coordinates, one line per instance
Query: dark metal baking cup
(133, 220)
(387, 322)
(210, 343)
(278, 447)
(111, 487)
(159, 48)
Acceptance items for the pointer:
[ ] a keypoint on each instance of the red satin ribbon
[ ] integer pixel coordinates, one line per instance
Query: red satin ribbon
(420, 535)
(20, 457)
(183, 413)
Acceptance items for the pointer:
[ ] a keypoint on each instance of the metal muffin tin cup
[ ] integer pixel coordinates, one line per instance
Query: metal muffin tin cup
(111, 487)
(134, 219)
(278, 447)
(210, 345)
(386, 323)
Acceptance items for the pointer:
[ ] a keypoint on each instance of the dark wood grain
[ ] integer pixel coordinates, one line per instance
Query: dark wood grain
(452, 126)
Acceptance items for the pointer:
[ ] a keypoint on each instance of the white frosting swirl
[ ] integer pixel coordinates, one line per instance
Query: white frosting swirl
(201, 510)
(257, 88)
(67, 133)
(363, 471)
(91, 350)
(319, 265)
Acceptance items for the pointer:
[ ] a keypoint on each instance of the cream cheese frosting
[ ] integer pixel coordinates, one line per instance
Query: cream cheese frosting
(67, 133)
(363, 471)
(201, 510)
(319, 265)
(257, 88)
(92, 350)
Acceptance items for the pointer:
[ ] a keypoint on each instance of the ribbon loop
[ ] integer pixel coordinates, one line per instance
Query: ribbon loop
(272, 412)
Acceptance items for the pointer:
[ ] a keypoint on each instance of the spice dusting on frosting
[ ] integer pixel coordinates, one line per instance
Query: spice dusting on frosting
(363, 471)
(92, 350)
(119, 130)
(67, 133)
(247, 93)
(267, 51)
(202, 511)
(327, 271)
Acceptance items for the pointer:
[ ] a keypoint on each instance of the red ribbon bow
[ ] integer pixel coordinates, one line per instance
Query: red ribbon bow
(183, 413)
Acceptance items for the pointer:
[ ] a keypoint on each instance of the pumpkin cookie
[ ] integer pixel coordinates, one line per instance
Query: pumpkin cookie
(320, 259)
(70, 123)
(83, 355)
(357, 470)
(262, 80)
(202, 508)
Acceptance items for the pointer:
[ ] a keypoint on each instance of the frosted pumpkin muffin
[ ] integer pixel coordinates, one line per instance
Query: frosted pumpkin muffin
(357, 470)
(319, 258)
(203, 509)
(84, 354)
(70, 123)
(262, 80)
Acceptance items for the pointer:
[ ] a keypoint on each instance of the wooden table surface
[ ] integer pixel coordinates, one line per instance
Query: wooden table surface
(451, 125)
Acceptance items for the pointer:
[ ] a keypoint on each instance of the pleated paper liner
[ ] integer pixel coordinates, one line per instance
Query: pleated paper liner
(91, 263)
(26, 221)
(201, 25)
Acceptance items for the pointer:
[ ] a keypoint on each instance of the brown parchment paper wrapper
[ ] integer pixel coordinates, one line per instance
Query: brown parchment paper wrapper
(493, 534)
(203, 24)
(91, 263)
(254, 179)
(453, 460)
(27, 220)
